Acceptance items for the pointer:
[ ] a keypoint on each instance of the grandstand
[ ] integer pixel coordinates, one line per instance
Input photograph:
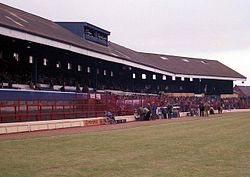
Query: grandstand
(242, 91)
(38, 51)
(45, 60)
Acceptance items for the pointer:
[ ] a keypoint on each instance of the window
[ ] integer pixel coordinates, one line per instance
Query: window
(164, 77)
(181, 88)
(134, 76)
(79, 68)
(58, 64)
(69, 66)
(16, 56)
(182, 78)
(144, 76)
(154, 77)
(173, 78)
(31, 59)
(191, 79)
(104, 72)
(88, 69)
(111, 74)
(97, 71)
(45, 62)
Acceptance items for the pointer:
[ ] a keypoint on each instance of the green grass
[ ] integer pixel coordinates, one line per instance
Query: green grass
(214, 147)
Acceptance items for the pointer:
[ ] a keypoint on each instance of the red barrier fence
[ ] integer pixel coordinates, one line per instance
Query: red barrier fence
(94, 105)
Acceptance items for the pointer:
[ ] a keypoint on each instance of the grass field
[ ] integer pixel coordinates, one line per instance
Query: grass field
(211, 147)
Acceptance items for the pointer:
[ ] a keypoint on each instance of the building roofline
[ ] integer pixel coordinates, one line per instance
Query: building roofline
(58, 44)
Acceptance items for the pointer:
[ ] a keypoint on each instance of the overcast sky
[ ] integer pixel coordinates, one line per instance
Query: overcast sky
(210, 29)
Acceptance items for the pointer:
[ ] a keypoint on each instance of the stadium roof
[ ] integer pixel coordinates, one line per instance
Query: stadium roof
(244, 90)
(22, 25)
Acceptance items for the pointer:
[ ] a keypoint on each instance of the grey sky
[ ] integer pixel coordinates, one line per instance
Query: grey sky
(214, 29)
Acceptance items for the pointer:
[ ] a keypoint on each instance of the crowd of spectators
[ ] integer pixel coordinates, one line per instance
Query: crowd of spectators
(167, 107)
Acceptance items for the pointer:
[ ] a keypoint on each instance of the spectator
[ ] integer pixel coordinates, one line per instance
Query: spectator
(202, 109)
(220, 108)
(62, 89)
(10, 84)
(31, 85)
(211, 110)
(206, 109)
(147, 113)
(153, 108)
(38, 87)
(170, 111)
(141, 112)
(85, 88)
(1, 84)
(78, 89)
(164, 112)
(51, 84)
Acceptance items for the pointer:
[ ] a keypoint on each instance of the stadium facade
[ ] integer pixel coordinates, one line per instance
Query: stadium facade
(37, 50)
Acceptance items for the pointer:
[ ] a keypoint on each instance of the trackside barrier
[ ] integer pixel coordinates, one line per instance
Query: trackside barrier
(37, 111)
(19, 127)
(91, 106)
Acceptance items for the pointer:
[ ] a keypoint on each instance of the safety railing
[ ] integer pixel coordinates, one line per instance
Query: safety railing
(94, 105)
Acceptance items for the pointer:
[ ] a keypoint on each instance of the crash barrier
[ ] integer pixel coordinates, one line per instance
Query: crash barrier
(120, 119)
(22, 111)
(6, 128)
(236, 110)
(20, 127)
(184, 114)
